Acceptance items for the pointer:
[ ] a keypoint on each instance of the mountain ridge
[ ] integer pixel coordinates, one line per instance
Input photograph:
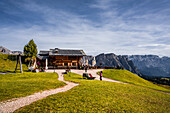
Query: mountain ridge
(4, 50)
(149, 65)
(152, 65)
(113, 60)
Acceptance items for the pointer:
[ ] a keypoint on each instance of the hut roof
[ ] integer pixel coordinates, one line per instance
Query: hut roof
(62, 52)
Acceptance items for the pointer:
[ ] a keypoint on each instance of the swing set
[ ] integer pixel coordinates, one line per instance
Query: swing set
(19, 61)
(10, 65)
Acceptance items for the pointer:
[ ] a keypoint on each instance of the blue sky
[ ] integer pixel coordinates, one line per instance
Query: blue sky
(123, 27)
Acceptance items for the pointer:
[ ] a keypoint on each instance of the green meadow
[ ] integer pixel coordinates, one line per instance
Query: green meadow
(102, 96)
(15, 85)
(128, 77)
(8, 63)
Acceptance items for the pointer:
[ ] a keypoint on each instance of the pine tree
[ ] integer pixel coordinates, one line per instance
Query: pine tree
(30, 50)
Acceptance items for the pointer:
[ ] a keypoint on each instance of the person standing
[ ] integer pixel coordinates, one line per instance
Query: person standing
(101, 75)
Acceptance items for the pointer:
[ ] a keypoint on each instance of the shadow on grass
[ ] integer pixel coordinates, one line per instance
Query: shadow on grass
(7, 72)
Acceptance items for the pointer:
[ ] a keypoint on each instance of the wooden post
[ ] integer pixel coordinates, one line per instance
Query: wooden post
(46, 63)
(16, 64)
(20, 63)
(19, 60)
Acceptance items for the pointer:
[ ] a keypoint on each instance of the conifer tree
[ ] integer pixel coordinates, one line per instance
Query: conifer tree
(30, 49)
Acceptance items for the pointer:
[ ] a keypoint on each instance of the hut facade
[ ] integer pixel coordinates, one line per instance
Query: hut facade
(61, 58)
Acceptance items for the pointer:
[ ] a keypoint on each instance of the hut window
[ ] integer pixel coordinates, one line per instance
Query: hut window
(74, 64)
(65, 64)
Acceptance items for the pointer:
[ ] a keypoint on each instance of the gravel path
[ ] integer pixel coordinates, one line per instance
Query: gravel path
(14, 104)
(94, 74)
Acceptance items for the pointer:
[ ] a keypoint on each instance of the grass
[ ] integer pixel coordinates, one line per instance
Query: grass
(128, 77)
(8, 63)
(15, 85)
(102, 96)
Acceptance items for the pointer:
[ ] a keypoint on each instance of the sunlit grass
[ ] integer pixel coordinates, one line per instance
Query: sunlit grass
(8, 63)
(102, 96)
(128, 77)
(19, 85)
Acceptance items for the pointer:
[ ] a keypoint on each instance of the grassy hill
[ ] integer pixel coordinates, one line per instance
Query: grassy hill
(8, 63)
(102, 96)
(128, 77)
(15, 85)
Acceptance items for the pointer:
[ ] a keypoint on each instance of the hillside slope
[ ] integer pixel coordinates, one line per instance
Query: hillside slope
(8, 63)
(126, 76)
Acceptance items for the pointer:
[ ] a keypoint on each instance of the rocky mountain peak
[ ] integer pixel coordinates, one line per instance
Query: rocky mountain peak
(152, 65)
(112, 60)
(4, 50)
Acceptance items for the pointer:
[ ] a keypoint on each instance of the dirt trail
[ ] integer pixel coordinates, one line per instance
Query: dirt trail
(14, 104)
(94, 74)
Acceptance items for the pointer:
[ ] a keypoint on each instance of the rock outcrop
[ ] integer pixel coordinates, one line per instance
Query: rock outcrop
(152, 65)
(113, 60)
(4, 50)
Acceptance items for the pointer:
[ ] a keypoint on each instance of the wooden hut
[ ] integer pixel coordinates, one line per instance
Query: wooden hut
(61, 58)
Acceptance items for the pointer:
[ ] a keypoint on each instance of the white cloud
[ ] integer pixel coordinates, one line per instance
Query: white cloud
(68, 30)
(101, 4)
